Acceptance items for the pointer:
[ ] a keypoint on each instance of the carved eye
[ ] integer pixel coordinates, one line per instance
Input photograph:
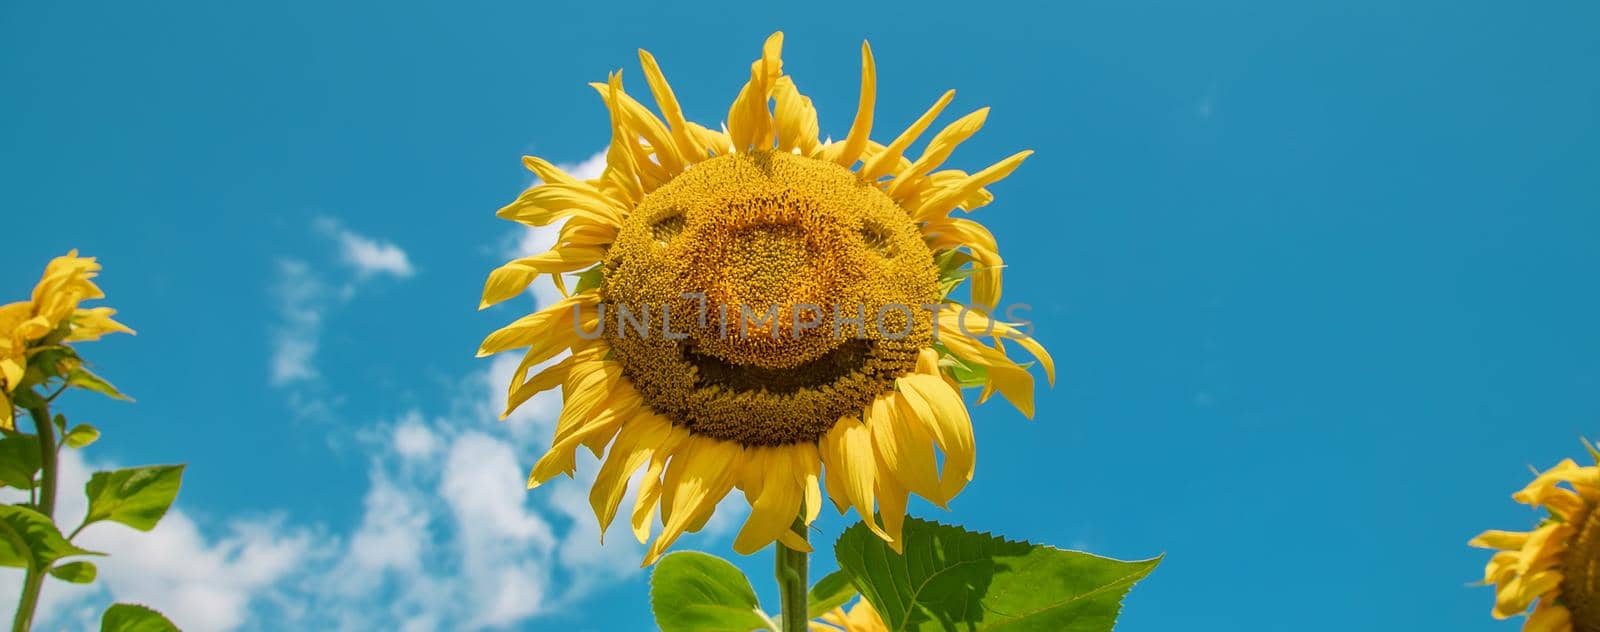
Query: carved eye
(877, 239)
(667, 227)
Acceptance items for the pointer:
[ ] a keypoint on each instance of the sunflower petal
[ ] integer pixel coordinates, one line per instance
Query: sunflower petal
(885, 161)
(695, 480)
(938, 150)
(850, 150)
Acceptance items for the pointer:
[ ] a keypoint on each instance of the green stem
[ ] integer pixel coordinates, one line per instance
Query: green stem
(34, 582)
(791, 571)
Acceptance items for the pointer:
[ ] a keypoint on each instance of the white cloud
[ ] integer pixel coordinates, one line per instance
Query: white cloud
(412, 438)
(301, 300)
(369, 256)
(305, 295)
(588, 168)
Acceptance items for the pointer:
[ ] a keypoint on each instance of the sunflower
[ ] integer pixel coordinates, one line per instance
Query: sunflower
(760, 309)
(1556, 564)
(50, 317)
(860, 618)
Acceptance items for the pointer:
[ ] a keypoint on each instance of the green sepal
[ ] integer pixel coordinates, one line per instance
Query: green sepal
(589, 279)
(87, 380)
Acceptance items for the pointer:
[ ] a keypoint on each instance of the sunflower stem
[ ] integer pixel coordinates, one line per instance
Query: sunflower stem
(791, 572)
(33, 582)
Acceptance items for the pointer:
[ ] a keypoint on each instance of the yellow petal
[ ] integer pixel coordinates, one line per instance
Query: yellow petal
(903, 447)
(1503, 540)
(885, 161)
(544, 204)
(860, 131)
(644, 506)
(1548, 618)
(638, 120)
(938, 150)
(695, 480)
(512, 278)
(548, 172)
(638, 441)
(749, 119)
(682, 135)
(776, 507)
(523, 390)
(91, 323)
(1013, 382)
(852, 467)
(892, 510)
(940, 407)
(537, 329)
(947, 198)
(795, 117)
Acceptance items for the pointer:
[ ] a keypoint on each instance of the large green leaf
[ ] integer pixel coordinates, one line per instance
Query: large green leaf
(828, 593)
(30, 540)
(697, 592)
(75, 572)
(19, 459)
(137, 496)
(127, 617)
(951, 578)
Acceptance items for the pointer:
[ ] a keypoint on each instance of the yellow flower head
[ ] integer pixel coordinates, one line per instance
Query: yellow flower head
(50, 316)
(1552, 569)
(760, 309)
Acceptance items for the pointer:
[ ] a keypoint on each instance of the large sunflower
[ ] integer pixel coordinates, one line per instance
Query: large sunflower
(759, 309)
(50, 317)
(1556, 564)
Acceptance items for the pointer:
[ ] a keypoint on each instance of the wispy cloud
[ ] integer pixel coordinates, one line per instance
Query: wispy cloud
(369, 256)
(305, 293)
(301, 300)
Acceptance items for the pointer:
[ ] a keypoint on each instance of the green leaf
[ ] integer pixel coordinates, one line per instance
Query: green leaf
(87, 380)
(19, 459)
(81, 435)
(698, 592)
(127, 617)
(589, 279)
(30, 540)
(828, 593)
(75, 572)
(137, 497)
(951, 578)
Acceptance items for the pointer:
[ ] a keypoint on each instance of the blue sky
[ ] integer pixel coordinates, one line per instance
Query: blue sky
(1319, 280)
